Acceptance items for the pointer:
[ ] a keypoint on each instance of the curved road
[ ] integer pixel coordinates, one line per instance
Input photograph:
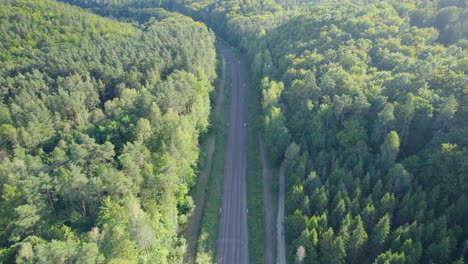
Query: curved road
(232, 233)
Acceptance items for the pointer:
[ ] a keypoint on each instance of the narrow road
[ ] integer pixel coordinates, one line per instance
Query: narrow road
(280, 230)
(267, 204)
(232, 233)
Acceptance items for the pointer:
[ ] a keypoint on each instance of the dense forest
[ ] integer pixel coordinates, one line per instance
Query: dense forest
(99, 127)
(363, 102)
(365, 105)
(369, 113)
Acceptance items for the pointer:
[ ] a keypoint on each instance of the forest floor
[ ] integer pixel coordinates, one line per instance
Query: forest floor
(192, 232)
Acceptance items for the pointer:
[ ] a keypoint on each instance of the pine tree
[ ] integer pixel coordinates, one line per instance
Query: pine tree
(379, 235)
(357, 240)
(332, 248)
(413, 251)
(390, 258)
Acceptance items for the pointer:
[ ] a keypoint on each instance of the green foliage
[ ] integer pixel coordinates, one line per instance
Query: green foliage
(390, 258)
(389, 149)
(372, 96)
(372, 102)
(99, 127)
(276, 134)
(372, 93)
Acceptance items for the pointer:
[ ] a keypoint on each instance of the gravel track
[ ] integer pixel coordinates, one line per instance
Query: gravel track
(232, 233)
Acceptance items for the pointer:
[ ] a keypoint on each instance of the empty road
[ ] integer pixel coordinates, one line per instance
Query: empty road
(232, 233)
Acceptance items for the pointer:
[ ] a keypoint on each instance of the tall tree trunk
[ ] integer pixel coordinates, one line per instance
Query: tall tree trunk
(51, 202)
(83, 206)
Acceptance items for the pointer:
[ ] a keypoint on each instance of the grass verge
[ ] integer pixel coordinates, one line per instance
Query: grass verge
(253, 176)
(206, 249)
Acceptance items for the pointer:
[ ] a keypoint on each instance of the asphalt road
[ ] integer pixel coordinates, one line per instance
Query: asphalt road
(232, 233)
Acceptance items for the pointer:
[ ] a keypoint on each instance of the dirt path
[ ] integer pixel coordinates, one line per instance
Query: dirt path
(267, 204)
(232, 233)
(194, 225)
(279, 223)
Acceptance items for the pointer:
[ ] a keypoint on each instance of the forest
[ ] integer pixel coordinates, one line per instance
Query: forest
(364, 104)
(370, 118)
(99, 124)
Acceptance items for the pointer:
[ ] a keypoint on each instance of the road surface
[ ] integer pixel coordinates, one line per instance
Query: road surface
(232, 233)
(267, 204)
(280, 230)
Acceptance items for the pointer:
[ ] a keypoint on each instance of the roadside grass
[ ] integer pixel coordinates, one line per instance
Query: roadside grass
(206, 248)
(253, 173)
(198, 192)
(274, 188)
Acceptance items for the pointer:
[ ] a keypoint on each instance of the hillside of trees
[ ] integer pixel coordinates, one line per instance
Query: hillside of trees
(99, 127)
(366, 105)
(369, 114)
